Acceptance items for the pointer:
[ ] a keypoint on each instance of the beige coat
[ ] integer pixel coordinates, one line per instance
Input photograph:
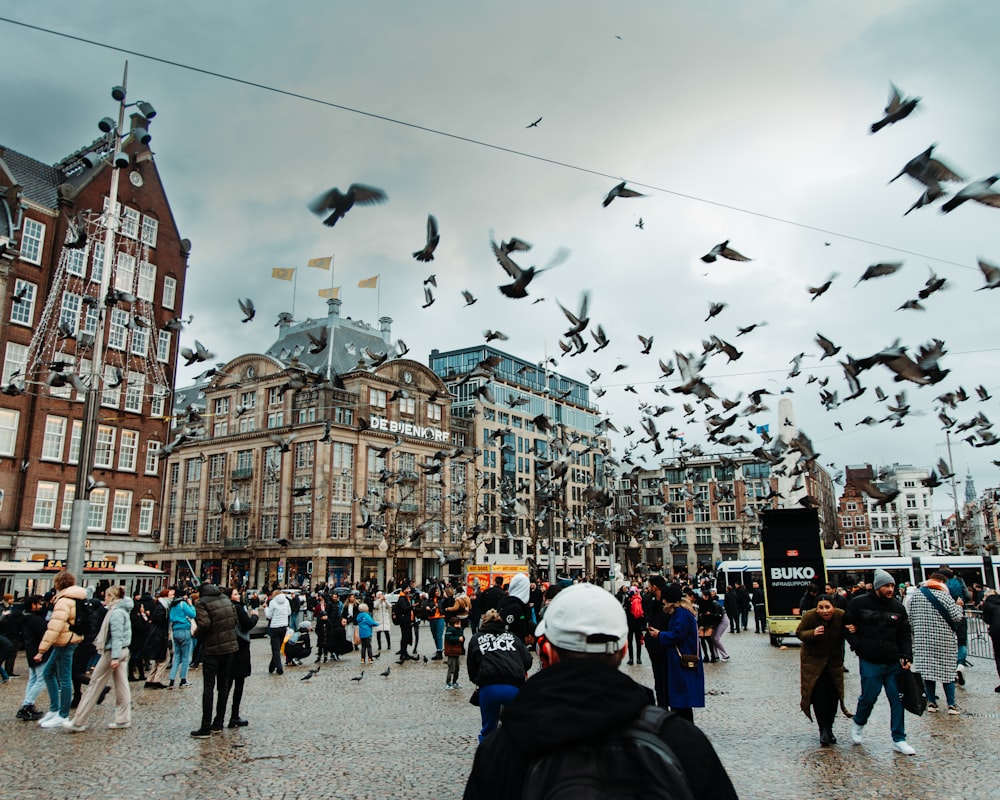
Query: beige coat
(58, 634)
(820, 653)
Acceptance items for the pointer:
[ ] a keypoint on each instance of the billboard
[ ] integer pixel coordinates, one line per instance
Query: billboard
(792, 557)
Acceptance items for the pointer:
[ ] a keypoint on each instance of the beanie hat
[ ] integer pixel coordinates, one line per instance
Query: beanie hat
(882, 578)
(673, 593)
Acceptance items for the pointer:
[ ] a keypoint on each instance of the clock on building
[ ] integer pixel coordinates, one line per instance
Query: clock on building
(407, 377)
(135, 177)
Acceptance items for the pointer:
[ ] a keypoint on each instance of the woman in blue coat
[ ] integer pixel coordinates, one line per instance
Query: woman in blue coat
(685, 685)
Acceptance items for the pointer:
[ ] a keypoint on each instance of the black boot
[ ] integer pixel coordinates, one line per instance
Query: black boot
(825, 737)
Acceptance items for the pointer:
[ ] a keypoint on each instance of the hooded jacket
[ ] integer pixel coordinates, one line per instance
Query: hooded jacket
(58, 634)
(575, 701)
(216, 619)
(497, 656)
(278, 611)
(514, 607)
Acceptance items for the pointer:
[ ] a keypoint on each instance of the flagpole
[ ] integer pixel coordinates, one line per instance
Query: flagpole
(295, 284)
(378, 296)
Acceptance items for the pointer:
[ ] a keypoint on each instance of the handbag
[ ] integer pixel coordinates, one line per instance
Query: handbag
(474, 699)
(911, 692)
(688, 660)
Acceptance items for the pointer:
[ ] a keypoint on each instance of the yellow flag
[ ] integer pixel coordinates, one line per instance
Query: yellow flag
(368, 283)
(283, 274)
(333, 292)
(320, 263)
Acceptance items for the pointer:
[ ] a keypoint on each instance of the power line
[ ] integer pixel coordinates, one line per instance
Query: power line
(479, 142)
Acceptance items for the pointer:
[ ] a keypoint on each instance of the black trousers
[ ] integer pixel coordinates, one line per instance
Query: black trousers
(215, 689)
(277, 636)
(405, 638)
(996, 649)
(824, 700)
(658, 663)
(759, 618)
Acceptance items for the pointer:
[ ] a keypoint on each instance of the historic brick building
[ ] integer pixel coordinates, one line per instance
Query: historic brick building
(52, 252)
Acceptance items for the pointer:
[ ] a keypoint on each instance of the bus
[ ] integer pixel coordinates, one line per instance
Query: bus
(22, 578)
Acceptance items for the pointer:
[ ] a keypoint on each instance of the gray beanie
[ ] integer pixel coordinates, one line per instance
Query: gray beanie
(882, 578)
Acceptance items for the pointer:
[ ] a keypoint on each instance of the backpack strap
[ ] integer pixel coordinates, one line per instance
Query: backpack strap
(940, 608)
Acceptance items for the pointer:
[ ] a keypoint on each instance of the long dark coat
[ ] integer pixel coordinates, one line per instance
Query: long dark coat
(820, 653)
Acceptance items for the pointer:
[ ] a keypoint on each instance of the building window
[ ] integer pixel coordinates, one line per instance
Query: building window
(852, 506)
(55, 434)
(859, 521)
(221, 428)
(169, 292)
(98, 510)
(125, 273)
(846, 521)
(121, 511)
(69, 313)
(146, 508)
(377, 398)
(147, 281)
(244, 460)
(342, 470)
(8, 430)
(189, 531)
(247, 424)
(248, 400)
(702, 535)
(275, 396)
(128, 448)
(433, 412)
(158, 401)
(118, 329)
(45, 504)
(678, 515)
(163, 346)
(150, 227)
(213, 530)
(192, 469)
(140, 338)
(848, 538)
(152, 457)
(14, 361)
(134, 390)
(340, 525)
(408, 406)
(343, 416)
(32, 237)
(69, 492)
(275, 419)
(302, 525)
(130, 222)
(268, 527)
(76, 431)
(111, 395)
(192, 499)
(221, 405)
(305, 454)
(22, 309)
(911, 501)
(104, 453)
(862, 537)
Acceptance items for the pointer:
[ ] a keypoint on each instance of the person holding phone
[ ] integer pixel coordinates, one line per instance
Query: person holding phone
(821, 665)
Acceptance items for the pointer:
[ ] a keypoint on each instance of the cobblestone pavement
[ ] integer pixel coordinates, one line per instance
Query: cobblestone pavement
(405, 736)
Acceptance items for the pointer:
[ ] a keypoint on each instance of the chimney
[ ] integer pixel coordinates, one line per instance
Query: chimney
(333, 307)
(385, 326)
(284, 322)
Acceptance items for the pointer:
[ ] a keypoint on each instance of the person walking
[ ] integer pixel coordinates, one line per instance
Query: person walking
(32, 630)
(991, 616)
(181, 616)
(60, 642)
(113, 640)
(246, 621)
(878, 631)
(934, 617)
(158, 641)
(821, 665)
(685, 684)
(498, 665)
(216, 620)
(278, 611)
(434, 614)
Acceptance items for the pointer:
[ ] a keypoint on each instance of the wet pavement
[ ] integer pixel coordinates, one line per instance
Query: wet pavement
(406, 736)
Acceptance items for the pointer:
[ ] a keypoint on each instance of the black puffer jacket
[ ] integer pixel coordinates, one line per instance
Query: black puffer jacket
(991, 613)
(497, 656)
(216, 620)
(883, 629)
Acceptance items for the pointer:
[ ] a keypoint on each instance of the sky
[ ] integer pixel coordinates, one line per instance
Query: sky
(745, 122)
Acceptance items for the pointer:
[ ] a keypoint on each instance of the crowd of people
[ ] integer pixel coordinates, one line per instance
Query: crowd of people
(80, 646)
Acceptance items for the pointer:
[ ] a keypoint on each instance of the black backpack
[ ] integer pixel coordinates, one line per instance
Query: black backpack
(633, 762)
(89, 615)
(395, 614)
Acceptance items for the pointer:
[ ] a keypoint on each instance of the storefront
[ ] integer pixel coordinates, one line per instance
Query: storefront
(211, 570)
(238, 572)
(298, 572)
(339, 571)
(373, 571)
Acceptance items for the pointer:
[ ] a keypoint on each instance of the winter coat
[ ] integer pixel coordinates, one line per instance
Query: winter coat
(158, 635)
(216, 619)
(32, 631)
(935, 646)
(819, 654)
(497, 656)
(883, 630)
(245, 622)
(382, 612)
(116, 629)
(685, 686)
(278, 611)
(365, 623)
(991, 614)
(516, 617)
(181, 614)
(58, 634)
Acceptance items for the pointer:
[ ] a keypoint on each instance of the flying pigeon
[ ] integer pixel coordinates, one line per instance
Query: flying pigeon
(340, 203)
(620, 191)
(878, 270)
(979, 191)
(247, 307)
(991, 273)
(534, 124)
(427, 253)
(723, 249)
(897, 108)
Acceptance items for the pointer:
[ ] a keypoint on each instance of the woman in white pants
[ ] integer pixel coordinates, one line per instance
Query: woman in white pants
(112, 643)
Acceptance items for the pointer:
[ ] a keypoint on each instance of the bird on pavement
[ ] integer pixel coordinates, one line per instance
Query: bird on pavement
(357, 678)
(386, 673)
(341, 202)
(309, 674)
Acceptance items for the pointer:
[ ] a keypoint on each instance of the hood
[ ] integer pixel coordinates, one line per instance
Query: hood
(520, 587)
(209, 590)
(125, 603)
(280, 600)
(582, 696)
(74, 592)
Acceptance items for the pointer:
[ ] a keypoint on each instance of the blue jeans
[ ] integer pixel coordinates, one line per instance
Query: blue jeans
(437, 631)
(58, 676)
(949, 692)
(183, 645)
(35, 684)
(492, 699)
(873, 678)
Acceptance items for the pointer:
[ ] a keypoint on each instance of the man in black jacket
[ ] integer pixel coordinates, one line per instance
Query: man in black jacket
(658, 618)
(878, 630)
(404, 617)
(215, 618)
(492, 597)
(991, 616)
(580, 695)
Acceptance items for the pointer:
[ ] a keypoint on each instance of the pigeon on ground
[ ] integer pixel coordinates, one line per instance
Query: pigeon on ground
(341, 202)
(357, 678)
(309, 674)
(897, 108)
(386, 673)
(620, 191)
(427, 253)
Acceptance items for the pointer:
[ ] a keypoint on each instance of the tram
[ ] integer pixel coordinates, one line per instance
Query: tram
(22, 578)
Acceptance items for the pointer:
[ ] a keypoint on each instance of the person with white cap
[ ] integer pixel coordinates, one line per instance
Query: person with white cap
(577, 701)
(878, 631)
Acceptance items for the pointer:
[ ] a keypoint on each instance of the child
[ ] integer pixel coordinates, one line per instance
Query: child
(365, 623)
(453, 649)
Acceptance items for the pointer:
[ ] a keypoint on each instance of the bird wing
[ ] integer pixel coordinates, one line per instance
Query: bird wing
(366, 195)
(432, 229)
(895, 99)
(732, 255)
(329, 199)
(505, 261)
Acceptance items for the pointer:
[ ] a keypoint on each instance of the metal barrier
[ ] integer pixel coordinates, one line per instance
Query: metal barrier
(980, 644)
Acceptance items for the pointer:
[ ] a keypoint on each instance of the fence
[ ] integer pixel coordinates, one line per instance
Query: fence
(980, 644)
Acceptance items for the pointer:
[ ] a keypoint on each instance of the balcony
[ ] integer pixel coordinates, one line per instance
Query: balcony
(407, 476)
(240, 543)
(239, 506)
(242, 474)
(408, 508)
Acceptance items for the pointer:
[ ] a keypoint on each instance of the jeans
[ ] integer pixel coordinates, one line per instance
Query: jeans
(949, 692)
(492, 699)
(35, 684)
(873, 678)
(453, 670)
(215, 674)
(437, 631)
(58, 676)
(277, 636)
(183, 645)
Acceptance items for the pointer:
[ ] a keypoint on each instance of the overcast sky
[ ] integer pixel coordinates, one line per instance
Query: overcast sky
(740, 121)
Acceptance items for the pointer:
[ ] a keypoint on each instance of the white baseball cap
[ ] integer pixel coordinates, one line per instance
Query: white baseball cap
(584, 618)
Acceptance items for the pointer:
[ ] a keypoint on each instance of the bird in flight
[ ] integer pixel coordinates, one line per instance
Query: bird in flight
(339, 203)
(248, 309)
(433, 237)
(534, 124)
(620, 191)
(723, 249)
(897, 108)
(979, 191)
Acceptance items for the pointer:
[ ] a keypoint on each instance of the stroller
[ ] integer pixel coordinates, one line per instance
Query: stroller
(298, 645)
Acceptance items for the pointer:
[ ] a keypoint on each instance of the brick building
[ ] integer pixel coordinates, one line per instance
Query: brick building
(50, 311)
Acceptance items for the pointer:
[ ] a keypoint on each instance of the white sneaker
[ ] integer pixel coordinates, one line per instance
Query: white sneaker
(857, 733)
(904, 747)
(48, 716)
(119, 725)
(54, 722)
(72, 727)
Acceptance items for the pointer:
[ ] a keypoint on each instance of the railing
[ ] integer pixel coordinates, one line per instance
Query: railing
(243, 472)
(235, 544)
(980, 644)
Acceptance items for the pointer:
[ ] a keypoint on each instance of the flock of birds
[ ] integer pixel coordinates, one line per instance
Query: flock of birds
(684, 374)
